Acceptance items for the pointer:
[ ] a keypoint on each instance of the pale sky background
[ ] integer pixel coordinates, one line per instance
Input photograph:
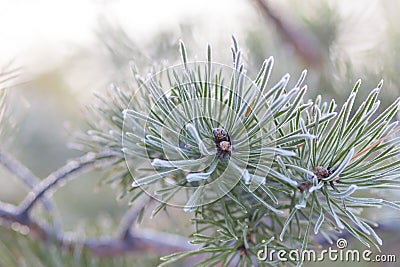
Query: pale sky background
(37, 30)
(43, 30)
(47, 35)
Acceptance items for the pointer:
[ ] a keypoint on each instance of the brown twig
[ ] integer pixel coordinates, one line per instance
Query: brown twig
(27, 177)
(374, 144)
(88, 161)
(125, 242)
(24, 174)
(133, 243)
(127, 222)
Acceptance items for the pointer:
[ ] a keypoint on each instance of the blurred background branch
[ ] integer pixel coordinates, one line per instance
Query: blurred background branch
(124, 243)
(305, 44)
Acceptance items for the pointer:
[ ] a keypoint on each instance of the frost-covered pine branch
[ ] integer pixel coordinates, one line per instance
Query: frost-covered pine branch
(256, 164)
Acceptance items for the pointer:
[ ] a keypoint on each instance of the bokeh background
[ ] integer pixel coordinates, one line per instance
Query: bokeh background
(65, 50)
